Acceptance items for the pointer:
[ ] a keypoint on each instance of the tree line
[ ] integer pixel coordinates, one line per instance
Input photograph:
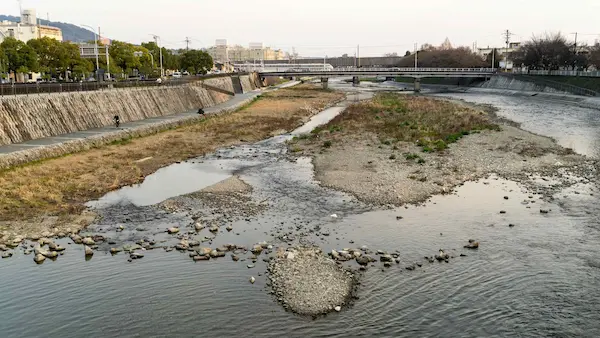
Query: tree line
(62, 60)
(555, 52)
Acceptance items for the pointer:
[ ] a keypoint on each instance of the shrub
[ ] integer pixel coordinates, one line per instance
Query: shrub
(327, 144)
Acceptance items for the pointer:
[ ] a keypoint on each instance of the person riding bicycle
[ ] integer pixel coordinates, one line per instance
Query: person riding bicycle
(117, 120)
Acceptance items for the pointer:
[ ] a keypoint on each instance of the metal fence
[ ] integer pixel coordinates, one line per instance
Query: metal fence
(557, 72)
(65, 87)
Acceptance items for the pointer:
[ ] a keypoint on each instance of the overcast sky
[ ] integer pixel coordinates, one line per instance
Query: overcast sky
(324, 27)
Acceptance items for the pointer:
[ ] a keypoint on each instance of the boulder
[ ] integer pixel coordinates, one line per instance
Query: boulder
(50, 254)
(88, 241)
(136, 255)
(338, 308)
(39, 258)
(216, 254)
(229, 228)
(7, 255)
(201, 258)
(115, 251)
(77, 239)
(214, 229)
(363, 260)
(88, 251)
(472, 244)
(204, 251)
(3, 247)
(386, 258)
(257, 249)
(198, 226)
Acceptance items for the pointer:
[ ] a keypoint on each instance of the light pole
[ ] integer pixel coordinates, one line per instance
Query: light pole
(156, 40)
(416, 57)
(95, 50)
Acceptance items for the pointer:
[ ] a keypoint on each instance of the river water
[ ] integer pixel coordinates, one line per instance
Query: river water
(538, 278)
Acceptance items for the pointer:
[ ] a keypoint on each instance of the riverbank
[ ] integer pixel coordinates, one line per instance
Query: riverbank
(399, 149)
(47, 198)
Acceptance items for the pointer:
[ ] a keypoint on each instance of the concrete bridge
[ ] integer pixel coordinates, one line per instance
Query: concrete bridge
(416, 73)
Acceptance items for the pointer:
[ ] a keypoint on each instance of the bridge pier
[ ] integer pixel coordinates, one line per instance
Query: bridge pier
(417, 85)
(390, 78)
(355, 80)
(325, 82)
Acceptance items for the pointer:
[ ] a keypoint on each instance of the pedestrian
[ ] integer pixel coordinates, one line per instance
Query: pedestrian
(117, 121)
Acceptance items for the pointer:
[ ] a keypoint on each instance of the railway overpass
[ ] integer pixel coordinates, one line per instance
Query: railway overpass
(416, 73)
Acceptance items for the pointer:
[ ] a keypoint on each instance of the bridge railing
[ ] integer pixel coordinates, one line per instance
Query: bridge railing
(392, 70)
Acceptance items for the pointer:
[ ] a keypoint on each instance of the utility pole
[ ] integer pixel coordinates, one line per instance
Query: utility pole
(358, 54)
(187, 43)
(494, 58)
(416, 57)
(507, 34)
(156, 40)
(575, 44)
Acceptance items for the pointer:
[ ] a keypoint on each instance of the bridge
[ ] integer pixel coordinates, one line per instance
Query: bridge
(416, 73)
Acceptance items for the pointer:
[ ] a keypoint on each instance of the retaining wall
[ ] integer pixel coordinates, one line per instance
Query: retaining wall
(24, 118)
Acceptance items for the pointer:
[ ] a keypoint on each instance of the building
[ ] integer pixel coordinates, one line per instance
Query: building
(28, 28)
(224, 53)
(512, 46)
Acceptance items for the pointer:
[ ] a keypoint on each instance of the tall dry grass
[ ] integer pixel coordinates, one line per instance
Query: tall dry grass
(395, 118)
(61, 186)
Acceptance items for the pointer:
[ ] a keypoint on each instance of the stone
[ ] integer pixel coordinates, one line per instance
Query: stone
(363, 260)
(214, 229)
(131, 247)
(198, 226)
(252, 279)
(193, 243)
(257, 249)
(204, 251)
(387, 264)
(235, 258)
(410, 267)
(544, 211)
(88, 251)
(472, 244)
(216, 254)
(39, 258)
(290, 256)
(3, 247)
(334, 216)
(7, 255)
(115, 251)
(229, 228)
(511, 225)
(173, 230)
(201, 258)
(77, 239)
(51, 254)
(338, 308)
(263, 244)
(386, 258)
(505, 197)
(250, 266)
(136, 255)
(502, 211)
(182, 246)
(88, 241)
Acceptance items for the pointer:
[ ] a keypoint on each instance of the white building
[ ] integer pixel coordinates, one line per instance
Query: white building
(28, 28)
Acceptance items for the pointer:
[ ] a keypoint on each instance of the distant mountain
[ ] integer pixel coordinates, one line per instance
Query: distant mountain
(70, 32)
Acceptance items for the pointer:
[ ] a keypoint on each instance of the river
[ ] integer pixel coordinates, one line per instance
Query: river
(538, 278)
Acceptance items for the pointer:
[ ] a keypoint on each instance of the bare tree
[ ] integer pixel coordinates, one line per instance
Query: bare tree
(387, 55)
(595, 56)
(551, 52)
(460, 57)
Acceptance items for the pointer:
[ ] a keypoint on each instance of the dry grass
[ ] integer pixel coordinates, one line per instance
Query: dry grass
(61, 186)
(400, 118)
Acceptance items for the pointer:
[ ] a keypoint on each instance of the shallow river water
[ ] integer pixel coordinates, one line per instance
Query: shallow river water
(540, 277)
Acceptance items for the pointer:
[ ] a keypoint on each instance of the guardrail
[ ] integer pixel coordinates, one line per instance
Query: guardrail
(65, 87)
(558, 72)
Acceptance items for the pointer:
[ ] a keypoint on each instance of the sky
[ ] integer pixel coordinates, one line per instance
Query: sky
(324, 28)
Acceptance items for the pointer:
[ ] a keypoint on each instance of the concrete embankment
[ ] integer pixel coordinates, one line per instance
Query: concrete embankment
(24, 118)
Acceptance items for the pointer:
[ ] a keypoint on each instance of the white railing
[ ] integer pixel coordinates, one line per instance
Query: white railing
(558, 72)
(395, 70)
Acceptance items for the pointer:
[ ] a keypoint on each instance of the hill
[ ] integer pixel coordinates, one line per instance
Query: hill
(70, 31)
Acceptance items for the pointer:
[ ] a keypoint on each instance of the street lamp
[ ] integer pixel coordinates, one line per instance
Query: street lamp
(156, 40)
(95, 49)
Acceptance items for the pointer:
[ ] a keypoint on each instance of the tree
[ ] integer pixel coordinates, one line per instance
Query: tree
(594, 56)
(407, 53)
(460, 57)
(19, 57)
(551, 52)
(196, 62)
(394, 54)
(496, 56)
(170, 60)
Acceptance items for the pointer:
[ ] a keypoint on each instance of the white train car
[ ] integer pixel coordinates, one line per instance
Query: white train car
(283, 67)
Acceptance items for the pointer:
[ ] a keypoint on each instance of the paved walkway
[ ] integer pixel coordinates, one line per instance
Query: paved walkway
(235, 102)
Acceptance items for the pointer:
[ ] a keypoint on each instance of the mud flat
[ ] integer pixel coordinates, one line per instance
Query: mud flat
(400, 149)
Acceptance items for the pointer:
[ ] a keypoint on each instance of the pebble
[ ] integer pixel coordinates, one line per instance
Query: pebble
(252, 279)
(198, 226)
(136, 255)
(338, 308)
(88, 241)
(250, 266)
(173, 230)
(229, 228)
(201, 258)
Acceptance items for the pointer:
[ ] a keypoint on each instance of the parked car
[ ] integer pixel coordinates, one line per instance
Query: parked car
(177, 75)
(186, 73)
